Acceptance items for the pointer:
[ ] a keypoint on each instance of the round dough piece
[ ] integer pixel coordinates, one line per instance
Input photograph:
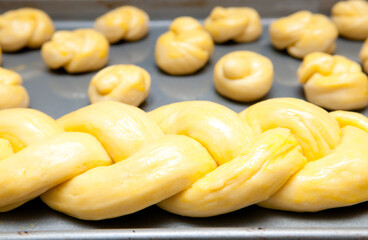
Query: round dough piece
(24, 27)
(124, 23)
(185, 48)
(12, 93)
(243, 76)
(351, 19)
(77, 51)
(333, 82)
(302, 33)
(240, 24)
(128, 84)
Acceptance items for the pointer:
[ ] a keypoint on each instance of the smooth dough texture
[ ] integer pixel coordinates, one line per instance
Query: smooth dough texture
(128, 84)
(243, 76)
(195, 158)
(185, 48)
(24, 27)
(12, 93)
(124, 23)
(351, 19)
(77, 51)
(333, 82)
(240, 24)
(302, 33)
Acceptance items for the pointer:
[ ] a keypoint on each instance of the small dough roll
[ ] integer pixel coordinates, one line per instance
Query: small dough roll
(77, 51)
(124, 23)
(128, 84)
(302, 33)
(12, 93)
(24, 27)
(351, 19)
(243, 76)
(241, 24)
(333, 82)
(185, 48)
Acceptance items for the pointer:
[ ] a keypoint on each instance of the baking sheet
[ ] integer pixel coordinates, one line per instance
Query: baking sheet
(57, 93)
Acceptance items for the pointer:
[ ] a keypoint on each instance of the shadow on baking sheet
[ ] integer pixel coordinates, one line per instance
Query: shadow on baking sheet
(154, 217)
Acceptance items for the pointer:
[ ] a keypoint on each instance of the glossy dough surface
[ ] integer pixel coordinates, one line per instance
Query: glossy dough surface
(24, 27)
(185, 48)
(124, 23)
(243, 76)
(351, 19)
(302, 33)
(128, 84)
(77, 51)
(240, 24)
(13, 94)
(192, 158)
(333, 82)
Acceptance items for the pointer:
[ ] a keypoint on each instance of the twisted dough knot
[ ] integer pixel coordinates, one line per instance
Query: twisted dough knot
(184, 49)
(240, 24)
(77, 51)
(123, 23)
(243, 76)
(333, 82)
(13, 94)
(351, 19)
(302, 33)
(281, 153)
(25, 27)
(128, 84)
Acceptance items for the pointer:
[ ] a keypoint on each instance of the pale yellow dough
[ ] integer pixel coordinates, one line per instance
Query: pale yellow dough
(123, 23)
(240, 24)
(333, 82)
(194, 158)
(351, 18)
(185, 48)
(128, 84)
(243, 76)
(12, 93)
(77, 51)
(302, 33)
(24, 27)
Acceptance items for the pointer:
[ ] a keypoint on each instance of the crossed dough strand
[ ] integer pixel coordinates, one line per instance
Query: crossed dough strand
(115, 159)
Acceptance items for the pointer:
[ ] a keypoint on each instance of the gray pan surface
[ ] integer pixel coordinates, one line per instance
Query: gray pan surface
(57, 93)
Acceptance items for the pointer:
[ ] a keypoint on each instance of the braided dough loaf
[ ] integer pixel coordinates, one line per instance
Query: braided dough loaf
(351, 19)
(77, 51)
(192, 158)
(243, 76)
(185, 48)
(24, 27)
(302, 33)
(128, 84)
(333, 82)
(240, 24)
(123, 23)
(13, 94)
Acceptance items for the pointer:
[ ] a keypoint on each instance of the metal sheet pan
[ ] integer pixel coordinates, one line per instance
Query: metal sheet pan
(57, 93)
